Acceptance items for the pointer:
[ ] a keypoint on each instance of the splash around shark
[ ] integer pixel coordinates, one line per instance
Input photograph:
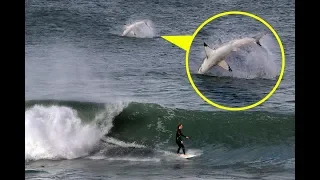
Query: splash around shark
(139, 29)
(217, 55)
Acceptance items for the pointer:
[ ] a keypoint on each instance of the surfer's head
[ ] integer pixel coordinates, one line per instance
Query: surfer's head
(180, 126)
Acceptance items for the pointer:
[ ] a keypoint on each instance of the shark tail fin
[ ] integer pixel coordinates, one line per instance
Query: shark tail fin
(258, 37)
(147, 23)
(219, 41)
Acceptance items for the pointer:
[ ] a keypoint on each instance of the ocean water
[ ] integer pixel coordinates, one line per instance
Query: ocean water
(100, 105)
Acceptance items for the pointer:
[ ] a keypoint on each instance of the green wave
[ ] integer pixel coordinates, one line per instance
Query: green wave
(153, 125)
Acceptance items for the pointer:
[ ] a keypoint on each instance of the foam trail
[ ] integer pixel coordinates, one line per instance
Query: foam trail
(139, 29)
(121, 143)
(135, 159)
(56, 132)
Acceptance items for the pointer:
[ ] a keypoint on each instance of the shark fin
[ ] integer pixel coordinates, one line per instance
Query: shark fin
(224, 65)
(209, 51)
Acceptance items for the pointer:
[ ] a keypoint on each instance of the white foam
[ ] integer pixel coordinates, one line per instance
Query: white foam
(57, 132)
(104, 119)
(96, 157)
(196, 152)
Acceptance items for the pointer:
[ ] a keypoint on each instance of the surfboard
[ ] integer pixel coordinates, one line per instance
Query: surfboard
(187, 156)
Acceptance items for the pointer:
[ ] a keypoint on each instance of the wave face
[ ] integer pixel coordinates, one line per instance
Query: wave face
(67, 129)
(153, 124)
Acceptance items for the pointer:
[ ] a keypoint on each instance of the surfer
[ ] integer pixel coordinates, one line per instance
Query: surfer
(179, 139)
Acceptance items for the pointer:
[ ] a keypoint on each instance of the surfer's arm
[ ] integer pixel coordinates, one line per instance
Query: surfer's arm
(183, 135)
(180, 134)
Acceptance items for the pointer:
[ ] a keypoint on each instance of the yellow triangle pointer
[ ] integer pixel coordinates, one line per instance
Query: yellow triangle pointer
(183, 42)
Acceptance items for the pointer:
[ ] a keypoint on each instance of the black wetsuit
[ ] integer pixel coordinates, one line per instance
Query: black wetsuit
(179, 141)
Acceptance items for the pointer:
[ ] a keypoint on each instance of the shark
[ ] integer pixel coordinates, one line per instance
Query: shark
(216, 56)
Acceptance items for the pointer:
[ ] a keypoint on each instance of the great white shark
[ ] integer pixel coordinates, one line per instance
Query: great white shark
(133, 27)
(218, 54)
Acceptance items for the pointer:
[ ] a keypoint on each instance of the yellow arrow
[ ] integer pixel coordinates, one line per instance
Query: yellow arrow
(183, 42)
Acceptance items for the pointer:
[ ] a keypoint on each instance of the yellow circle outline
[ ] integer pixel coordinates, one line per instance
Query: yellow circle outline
(282, 57)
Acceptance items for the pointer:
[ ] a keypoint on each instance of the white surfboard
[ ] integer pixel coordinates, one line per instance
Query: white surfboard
(187, 156)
